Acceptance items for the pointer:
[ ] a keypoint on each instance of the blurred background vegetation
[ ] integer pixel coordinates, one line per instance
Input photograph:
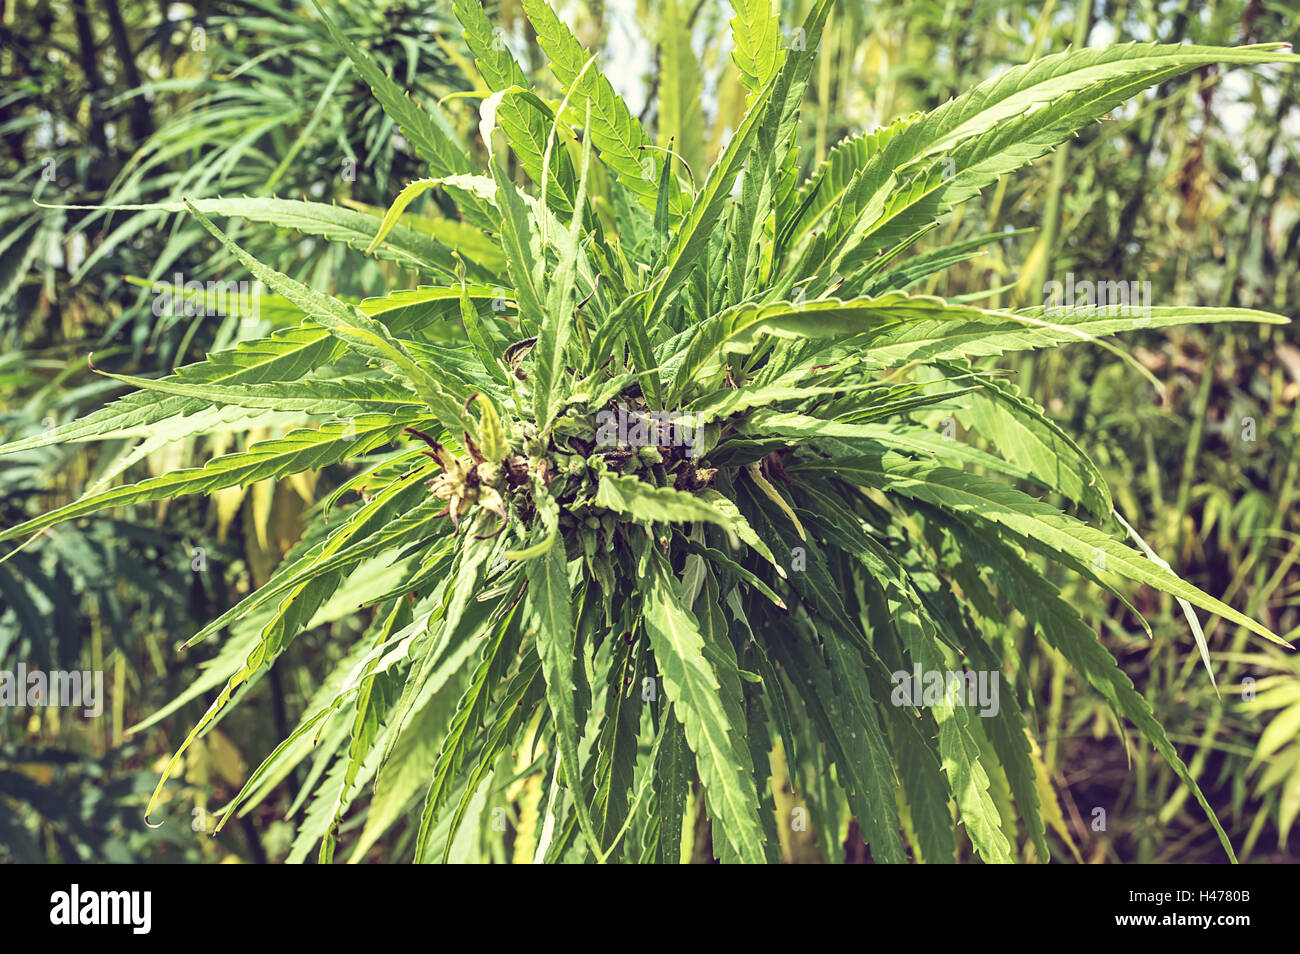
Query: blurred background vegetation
(1192, 187)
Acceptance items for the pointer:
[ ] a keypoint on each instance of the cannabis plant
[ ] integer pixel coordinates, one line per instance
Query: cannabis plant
(655, 493)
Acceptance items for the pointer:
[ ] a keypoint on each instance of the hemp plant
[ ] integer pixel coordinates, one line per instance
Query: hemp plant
(651, 503)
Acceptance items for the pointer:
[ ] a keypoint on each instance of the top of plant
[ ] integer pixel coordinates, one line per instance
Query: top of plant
(659, 435)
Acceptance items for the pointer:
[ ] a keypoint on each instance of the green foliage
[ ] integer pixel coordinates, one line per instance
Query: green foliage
(700, 513)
